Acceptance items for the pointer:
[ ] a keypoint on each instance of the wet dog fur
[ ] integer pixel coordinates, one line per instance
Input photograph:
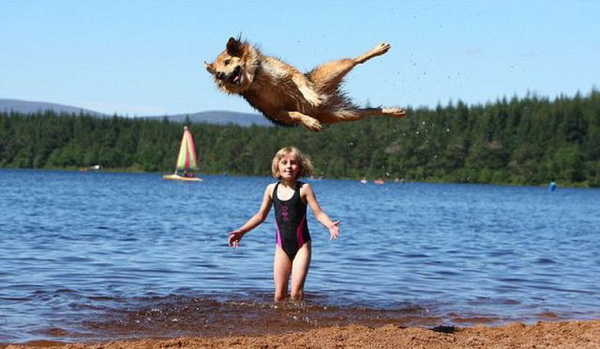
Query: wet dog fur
(285, 95)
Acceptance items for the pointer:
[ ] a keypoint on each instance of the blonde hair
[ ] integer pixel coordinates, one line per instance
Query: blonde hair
(305, 165)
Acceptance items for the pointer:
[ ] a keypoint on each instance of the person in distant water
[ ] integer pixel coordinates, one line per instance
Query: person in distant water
(290, 198)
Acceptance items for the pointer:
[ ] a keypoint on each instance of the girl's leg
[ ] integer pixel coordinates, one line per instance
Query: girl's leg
(300, 271)
(282, 268)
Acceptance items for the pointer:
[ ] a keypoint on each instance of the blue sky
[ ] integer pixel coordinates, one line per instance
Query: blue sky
(138, 58)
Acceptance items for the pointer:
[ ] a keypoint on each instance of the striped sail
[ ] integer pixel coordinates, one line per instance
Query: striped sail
(187, 153)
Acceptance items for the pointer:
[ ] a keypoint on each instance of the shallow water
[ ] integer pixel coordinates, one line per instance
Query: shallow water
(88, 256)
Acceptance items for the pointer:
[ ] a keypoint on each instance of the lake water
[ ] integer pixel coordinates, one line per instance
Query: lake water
(91, 256)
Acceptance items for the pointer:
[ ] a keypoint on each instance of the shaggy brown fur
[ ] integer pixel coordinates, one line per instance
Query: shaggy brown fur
(285, 95)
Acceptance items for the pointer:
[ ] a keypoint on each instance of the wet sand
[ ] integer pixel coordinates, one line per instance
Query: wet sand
(572, 334)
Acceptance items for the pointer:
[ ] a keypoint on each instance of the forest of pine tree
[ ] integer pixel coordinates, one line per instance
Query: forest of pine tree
(521, 141)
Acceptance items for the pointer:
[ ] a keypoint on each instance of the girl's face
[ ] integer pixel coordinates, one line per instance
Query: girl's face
(288, 167)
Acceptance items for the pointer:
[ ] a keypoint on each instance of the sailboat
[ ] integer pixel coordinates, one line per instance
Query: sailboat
(187, 160)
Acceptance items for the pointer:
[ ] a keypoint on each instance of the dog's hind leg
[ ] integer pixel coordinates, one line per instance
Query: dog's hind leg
(376, 51)
(391, 112)
(354, 114)
(328, 76)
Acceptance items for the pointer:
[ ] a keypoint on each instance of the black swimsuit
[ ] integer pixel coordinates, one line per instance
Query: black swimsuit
(290, 217)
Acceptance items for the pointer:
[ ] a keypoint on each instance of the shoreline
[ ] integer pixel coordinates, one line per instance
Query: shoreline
(563, 185)
(560, 334)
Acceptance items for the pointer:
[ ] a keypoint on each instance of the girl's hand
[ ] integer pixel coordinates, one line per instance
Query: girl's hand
(334, 230)
(235, 237)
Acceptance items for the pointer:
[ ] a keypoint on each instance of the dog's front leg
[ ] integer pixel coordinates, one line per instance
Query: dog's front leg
(305, 87)
(307, 121)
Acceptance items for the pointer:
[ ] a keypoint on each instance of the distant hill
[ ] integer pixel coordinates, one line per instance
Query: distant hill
(220, 117)
(28, 107)
(210, 117)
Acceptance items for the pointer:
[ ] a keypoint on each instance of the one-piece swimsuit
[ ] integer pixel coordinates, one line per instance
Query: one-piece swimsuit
(290, 220)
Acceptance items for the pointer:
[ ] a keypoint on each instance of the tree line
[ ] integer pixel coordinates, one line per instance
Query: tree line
(524, 141)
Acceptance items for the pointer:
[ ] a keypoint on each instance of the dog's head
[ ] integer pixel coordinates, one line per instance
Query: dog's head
(234, 68)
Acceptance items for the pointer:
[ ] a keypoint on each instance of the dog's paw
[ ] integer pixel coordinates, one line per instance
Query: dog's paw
(394, 112)
(312, 124)
(374, 52)
(382, 48)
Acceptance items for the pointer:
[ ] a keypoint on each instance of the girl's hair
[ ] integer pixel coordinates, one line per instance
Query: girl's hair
(305, 168)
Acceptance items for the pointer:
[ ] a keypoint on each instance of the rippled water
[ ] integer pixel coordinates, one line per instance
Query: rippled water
(89, 256)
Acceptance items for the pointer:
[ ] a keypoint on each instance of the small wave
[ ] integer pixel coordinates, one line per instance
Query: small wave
(415, 255)
(545, 261)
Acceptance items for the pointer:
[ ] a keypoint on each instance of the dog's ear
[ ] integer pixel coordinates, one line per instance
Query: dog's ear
(209, 67)
(234, 47)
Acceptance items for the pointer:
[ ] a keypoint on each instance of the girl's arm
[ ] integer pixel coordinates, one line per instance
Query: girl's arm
(236, 235)
(307, 192)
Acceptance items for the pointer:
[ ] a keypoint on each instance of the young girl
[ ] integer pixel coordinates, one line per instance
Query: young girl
(290, 198)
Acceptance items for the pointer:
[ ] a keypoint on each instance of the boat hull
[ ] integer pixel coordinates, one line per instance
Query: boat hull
(175, 177)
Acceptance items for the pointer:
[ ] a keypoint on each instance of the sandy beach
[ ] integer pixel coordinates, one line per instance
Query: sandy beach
(573, 334)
